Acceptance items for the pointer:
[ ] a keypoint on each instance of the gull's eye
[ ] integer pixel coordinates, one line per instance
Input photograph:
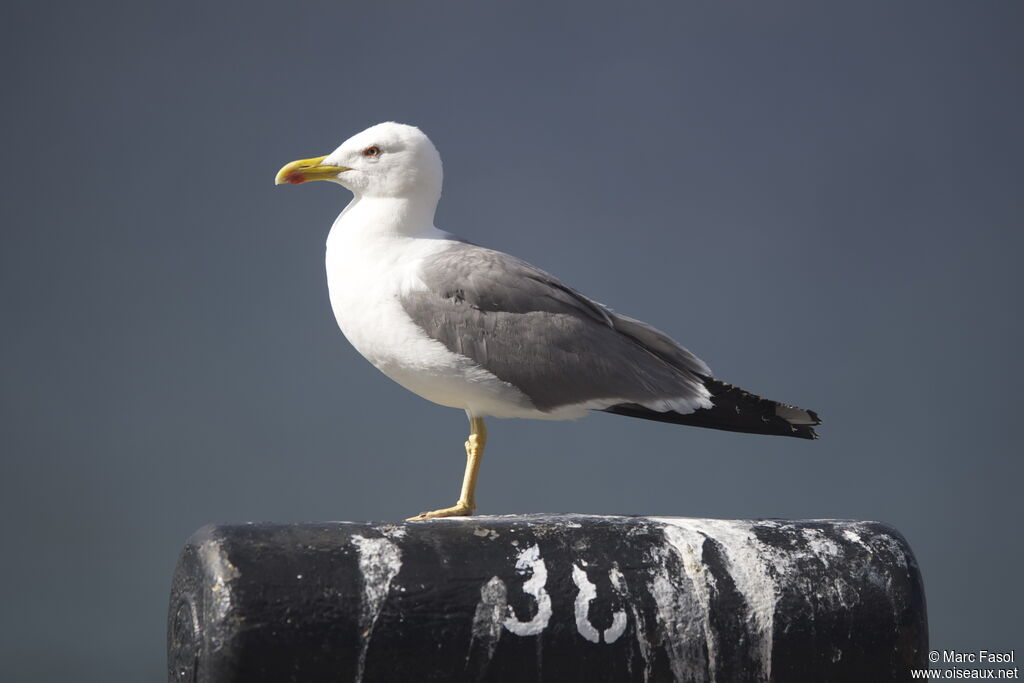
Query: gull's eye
(371, 151)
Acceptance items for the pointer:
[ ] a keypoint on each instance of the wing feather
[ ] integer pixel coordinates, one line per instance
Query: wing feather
(557, 346)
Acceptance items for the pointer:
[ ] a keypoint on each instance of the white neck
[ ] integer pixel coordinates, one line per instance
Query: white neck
(389, 216)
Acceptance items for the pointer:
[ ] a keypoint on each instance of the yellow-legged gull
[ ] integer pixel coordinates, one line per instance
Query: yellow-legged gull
(476, 329)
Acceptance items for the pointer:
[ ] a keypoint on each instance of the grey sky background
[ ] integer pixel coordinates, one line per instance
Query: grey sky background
(822, 200)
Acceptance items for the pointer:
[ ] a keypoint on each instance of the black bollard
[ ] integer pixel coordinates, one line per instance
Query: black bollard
(547, 597)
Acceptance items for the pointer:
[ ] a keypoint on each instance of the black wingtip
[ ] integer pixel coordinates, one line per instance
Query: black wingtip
(735, 410)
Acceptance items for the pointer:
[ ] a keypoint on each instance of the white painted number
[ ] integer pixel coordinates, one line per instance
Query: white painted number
(587, 591)
(529, 561)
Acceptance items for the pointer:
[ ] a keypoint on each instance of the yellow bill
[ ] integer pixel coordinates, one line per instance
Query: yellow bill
(307, 169)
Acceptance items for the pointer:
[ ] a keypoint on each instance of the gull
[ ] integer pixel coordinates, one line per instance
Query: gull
(476, 329)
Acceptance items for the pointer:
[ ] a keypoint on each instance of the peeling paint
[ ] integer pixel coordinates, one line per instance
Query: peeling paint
(224, 572)
(489, 616)
(489, 534)
(379, 562)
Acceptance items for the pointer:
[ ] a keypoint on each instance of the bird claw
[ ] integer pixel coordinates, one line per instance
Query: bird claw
(457, 510)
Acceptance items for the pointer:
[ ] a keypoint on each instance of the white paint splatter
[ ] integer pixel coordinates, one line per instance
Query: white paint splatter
(674, 610)
(586, 592)
(379, 562)
(854, 537)
(892, 545)
(529, 560)
(693, 625)
(223, 572)
(750, 574)
(760, 570)
(392, 531)
(619, 584)
(821, 545)
(490, 611)
(829, 553)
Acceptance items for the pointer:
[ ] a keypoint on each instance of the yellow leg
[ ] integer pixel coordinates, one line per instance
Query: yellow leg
(474, 453)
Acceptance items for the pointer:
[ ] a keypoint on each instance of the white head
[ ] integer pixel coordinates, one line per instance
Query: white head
(386, 160)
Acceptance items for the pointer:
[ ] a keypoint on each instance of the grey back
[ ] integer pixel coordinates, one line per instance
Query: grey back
(554, 344)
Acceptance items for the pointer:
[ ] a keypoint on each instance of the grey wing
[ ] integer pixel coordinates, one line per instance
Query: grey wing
(552, 343)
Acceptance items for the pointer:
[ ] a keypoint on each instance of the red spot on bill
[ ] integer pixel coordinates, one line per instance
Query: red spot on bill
(294, 178)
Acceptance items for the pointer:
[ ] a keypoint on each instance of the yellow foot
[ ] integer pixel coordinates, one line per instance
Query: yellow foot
(458, 510)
